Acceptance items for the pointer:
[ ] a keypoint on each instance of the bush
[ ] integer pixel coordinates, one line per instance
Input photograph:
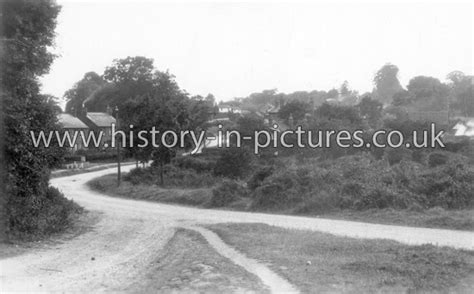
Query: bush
(172, 177)
(437, 158)
(95, 154)
(233, 163)
(187, 178)
(198, 164)
(35, 217)
(140, 176)
(396, 155)
(450, 186)
(361, 182)
(227, 192)
(258, 177)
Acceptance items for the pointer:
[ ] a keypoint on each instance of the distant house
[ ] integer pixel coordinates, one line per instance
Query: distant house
(99, 121)
(229, 108)
(72, 124)
(86, 122)
(270, 113)
(465, 128)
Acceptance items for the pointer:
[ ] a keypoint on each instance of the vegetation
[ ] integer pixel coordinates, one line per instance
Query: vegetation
(200, 197)
(33, 209)
(318, 262)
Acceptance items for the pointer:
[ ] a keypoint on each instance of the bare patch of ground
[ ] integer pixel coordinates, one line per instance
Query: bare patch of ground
(322, 263)
(188, 264)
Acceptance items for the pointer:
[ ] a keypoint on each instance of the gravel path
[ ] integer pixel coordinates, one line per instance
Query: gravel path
(131, 233)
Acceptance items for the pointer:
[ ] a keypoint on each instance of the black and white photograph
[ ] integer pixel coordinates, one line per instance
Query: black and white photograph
(226, 146)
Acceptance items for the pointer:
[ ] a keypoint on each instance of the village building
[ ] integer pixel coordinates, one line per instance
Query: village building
(85, 122)
(99, 122)
(72, 125)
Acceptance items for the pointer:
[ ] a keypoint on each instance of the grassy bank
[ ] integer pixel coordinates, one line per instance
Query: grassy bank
(202, 197)
(321, 263)
(108, 185)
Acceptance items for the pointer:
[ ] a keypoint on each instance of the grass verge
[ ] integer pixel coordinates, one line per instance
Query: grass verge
(108, 185)
(432, 218)
(201, 197)
(95, 167)
(321, 263)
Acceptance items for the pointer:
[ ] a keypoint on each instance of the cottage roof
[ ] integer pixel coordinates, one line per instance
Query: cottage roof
(101, 119)
(69, 121)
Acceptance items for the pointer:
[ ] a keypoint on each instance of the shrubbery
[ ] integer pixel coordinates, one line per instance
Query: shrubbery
(36, 217)
(97, 155)
(227, 192)
(233, 163)
(172, 177)
(361, 182)
(196, 163)
(437, 158)
(257, 178)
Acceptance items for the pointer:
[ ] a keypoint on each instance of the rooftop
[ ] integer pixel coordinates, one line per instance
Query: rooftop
(101, 119)
(69, 121)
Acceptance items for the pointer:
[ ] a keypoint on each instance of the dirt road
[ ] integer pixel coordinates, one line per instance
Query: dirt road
(129, 234)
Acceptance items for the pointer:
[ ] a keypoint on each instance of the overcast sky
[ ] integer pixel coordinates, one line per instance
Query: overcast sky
(234, 49)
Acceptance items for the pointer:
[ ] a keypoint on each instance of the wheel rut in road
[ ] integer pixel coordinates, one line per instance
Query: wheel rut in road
(273, 281)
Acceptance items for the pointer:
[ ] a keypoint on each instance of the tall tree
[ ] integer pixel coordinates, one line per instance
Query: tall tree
(82, 90)
(28, 33)
(428, 93)
(462, 92)
(296, 109)
(371, 110)
(386, 83)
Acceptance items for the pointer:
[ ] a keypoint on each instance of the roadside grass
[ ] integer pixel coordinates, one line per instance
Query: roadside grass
(202, 197)
(94, 167)
(321, 263)
(80, 223)
(108, 185)
(431, 218)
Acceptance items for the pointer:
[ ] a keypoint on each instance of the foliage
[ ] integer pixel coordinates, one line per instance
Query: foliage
(371, 110)
(198, 164)
(227, 192)
(257, 178)
(28, 33)
(37, 216)
(233, 163)
(462, 93)
(428, 94)
(173, 177)
(386, 83)
(361, 182)
(296, 109)
(78, 94)
(437, 158)
(147, 99)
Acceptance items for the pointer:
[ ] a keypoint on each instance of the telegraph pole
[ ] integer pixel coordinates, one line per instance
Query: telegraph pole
(118, 146)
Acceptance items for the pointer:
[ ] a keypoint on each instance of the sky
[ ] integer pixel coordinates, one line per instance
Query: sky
(233, 49)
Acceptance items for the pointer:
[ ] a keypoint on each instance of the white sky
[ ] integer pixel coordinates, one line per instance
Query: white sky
(234, 49)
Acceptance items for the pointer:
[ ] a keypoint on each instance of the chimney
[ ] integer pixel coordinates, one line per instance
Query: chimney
(84, 111)
(109, 110)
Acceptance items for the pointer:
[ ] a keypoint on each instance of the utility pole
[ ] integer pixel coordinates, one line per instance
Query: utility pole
(118, 146)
